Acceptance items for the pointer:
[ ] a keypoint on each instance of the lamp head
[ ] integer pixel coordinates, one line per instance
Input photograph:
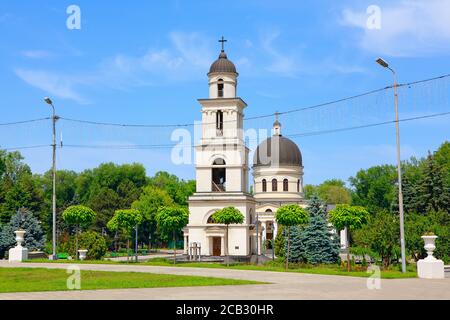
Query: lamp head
(48, 100)
(382, 63)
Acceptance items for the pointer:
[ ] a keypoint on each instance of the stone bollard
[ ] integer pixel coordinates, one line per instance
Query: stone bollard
(430, 267)
(18, 253)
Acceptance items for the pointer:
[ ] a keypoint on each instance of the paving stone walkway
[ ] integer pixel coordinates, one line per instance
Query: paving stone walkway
(283, 285)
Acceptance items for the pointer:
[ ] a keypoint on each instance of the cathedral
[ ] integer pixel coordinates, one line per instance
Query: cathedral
(222, 173)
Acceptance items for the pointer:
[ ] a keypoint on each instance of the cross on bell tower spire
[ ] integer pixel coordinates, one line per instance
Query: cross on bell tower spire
(223, 43)
(277, 125)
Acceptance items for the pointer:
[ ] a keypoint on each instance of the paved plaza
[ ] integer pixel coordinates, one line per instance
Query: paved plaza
(282, 285)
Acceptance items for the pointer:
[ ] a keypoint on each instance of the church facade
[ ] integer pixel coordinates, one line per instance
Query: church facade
(222, 173)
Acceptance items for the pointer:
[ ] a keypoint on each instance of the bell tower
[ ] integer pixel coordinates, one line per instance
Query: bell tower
(222, 157)
(222, 166)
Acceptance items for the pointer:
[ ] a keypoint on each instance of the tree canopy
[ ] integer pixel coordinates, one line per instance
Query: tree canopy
(228, 215)
(291, 215)
(79, 215)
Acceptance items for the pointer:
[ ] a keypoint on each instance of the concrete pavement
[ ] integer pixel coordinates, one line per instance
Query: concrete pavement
(283, 285)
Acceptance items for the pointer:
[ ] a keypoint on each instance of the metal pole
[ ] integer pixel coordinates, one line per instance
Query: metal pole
(54, 118)
(399, 173)
(136, 244)
(257, 238)
(273, 240)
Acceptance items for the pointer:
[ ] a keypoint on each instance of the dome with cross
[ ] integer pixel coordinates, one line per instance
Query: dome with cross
(222, 64)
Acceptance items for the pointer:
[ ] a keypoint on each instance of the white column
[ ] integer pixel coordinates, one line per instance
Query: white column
(222, 246)
(186, 244)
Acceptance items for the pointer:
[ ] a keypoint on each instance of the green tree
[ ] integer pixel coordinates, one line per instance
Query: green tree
(125, 221)
(434, 193)
(333, 192)
(178, 189)
(170, 220)
(227, 216)
(110, 187)
(90, 240)
(374, 188)
(34, 236)
(381, 236)
(80, 217)
(288, 216)
(18, 189)
(319, 245)
(279, 242)
(350, 217)
(149, 202)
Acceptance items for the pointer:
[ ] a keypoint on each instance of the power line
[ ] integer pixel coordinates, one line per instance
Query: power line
(294, 110)
(26, 147)
(299, 109)
(313, 133)
(24, 121)
(294, 135)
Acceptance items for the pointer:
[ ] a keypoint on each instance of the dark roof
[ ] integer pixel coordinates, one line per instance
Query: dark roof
(222, 64)
(288, 153)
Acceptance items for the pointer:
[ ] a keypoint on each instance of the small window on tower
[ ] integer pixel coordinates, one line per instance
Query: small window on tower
(274, 185)
(264, 185)
(285, 185)
(220, 88)
(219, 123)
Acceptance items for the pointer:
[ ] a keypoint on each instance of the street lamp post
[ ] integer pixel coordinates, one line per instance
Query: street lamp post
(54, 119)
(384, 64)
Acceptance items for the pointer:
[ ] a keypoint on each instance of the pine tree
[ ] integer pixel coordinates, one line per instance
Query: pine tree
(319, 245)
(297, 252)
(34, 236)
(434, 193)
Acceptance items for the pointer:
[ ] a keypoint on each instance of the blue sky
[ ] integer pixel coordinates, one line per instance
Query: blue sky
(146, 62)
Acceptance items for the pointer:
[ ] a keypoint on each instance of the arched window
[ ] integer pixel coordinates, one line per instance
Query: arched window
(219, 175)
(219, 123)
(210, 219)
(269, 211)
(274, 185)
(220, 88)
(264, 185)
(285, 185)
(298, 185)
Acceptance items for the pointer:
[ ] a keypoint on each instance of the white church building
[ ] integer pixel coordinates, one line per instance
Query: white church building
(222, 173)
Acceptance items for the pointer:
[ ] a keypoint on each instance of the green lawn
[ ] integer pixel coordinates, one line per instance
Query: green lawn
(269, 266)
(279, 267)
(40, 279)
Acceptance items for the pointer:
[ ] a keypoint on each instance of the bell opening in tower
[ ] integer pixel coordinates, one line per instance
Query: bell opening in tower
(219, 123)
(219, 176)
(220, 88)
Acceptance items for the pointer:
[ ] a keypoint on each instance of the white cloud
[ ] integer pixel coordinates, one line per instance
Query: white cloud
(36, 54)
(408, 28)
(57, 85)
(281, 63)
(188, 56)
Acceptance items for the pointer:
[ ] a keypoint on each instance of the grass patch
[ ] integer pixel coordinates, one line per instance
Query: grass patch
(40, 279)
(276, 266)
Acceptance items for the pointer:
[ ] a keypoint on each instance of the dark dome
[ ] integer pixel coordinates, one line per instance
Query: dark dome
(222, 64)
(288, 153)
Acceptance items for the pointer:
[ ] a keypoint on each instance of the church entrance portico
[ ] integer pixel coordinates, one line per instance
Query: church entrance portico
(216, 241)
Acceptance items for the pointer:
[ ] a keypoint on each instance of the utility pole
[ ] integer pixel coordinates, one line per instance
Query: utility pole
(54, 119)
(384, 64)
(136, 244)
(257, 238)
